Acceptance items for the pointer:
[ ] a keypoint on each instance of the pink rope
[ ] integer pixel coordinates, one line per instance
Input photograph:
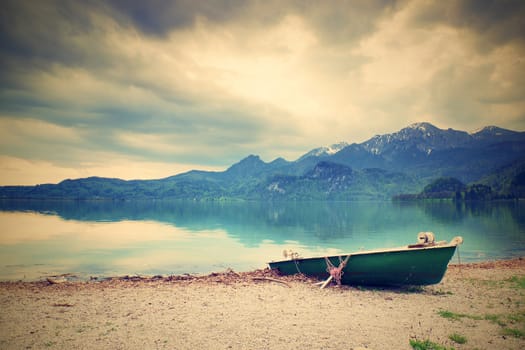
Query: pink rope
(336, 272)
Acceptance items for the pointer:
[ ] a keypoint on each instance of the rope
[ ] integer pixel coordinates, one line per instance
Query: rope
(336, 272)
(297, 266)
(459, 260)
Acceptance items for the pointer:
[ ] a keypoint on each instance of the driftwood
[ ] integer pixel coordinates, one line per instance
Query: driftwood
(63, 305)
(325, 283)
(56, 280)
(227, 277)
(271, 280)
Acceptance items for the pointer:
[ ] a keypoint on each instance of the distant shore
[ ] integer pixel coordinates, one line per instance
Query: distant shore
(482, 303)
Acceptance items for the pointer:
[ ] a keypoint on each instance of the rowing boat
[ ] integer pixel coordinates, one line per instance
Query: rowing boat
(423, 263)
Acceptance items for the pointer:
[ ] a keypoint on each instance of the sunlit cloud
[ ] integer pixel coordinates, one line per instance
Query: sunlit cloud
(16, 130)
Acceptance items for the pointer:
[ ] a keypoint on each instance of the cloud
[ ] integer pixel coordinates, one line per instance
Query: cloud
(207, 83)
(491, 23)
(159, 18)
(424, 69)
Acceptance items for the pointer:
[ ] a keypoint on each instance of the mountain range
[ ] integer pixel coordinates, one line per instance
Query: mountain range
(379, 168)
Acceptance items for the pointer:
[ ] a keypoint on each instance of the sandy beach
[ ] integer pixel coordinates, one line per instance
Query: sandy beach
(484, 303)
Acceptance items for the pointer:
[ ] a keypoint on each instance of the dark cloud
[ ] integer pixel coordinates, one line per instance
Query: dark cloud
(493, 22)
(65, 32)
(44, 30)
(53, 30)
(334, 21)
(500, 20)
(159, 17)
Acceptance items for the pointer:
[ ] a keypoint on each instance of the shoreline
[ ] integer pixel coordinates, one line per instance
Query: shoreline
(73, 277)
(482, 302)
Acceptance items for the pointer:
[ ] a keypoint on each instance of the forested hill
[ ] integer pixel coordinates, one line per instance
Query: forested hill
(380, 168)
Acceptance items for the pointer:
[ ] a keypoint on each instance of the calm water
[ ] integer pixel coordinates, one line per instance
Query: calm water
(124, 238)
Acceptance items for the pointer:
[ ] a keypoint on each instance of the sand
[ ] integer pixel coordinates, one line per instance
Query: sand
(483, 302)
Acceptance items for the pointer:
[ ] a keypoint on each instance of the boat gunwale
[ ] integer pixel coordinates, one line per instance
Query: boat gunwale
(371, 252)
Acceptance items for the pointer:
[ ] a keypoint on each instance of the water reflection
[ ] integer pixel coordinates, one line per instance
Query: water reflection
(165, 237)
(34, 245)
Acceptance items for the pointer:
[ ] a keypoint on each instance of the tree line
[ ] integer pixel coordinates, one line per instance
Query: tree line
(450, 188)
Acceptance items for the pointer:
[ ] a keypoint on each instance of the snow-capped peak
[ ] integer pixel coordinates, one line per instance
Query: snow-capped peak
(422, 126)
(326, 151)
(423, 136)
(336, 147)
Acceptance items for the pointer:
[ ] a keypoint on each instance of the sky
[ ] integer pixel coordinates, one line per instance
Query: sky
(149, 89)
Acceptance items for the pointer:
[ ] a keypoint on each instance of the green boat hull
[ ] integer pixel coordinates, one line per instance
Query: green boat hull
(410, 266)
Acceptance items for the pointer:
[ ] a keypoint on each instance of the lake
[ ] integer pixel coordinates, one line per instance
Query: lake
(104, 238)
